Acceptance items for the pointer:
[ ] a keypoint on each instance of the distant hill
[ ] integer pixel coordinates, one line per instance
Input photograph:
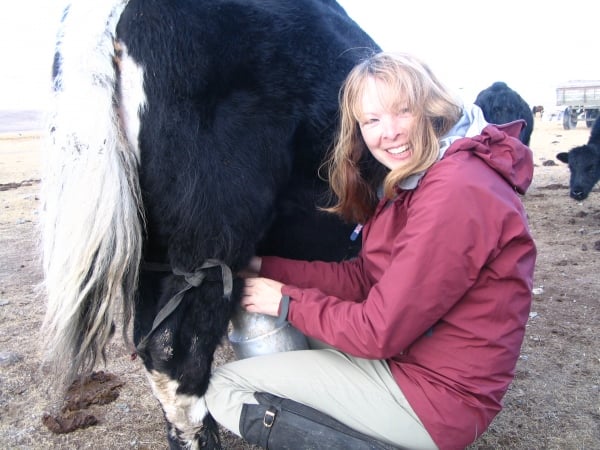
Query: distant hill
(14, 121)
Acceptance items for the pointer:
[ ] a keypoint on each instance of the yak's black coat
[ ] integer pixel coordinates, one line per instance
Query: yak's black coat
(500, 104)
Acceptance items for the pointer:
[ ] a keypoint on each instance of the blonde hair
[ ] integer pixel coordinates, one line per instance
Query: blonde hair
(354, 175)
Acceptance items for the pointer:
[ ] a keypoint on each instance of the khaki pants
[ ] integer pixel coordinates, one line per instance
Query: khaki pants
(358, 392)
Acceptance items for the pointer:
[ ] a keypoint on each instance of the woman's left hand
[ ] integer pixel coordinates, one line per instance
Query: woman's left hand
(262, 295)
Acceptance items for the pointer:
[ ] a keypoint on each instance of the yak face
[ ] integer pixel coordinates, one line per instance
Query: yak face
(584, 165)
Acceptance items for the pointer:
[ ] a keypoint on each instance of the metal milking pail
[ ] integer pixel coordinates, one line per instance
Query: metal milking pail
(259, 334)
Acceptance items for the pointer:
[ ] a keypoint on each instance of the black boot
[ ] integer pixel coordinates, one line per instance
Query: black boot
(282, 424)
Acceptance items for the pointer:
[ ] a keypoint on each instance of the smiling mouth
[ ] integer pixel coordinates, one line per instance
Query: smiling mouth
(398, 150)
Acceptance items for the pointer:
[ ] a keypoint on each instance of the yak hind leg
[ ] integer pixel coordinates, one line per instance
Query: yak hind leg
(189, 425)
(178, 355)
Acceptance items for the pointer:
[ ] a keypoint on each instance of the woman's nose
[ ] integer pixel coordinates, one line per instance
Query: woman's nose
(391, 127)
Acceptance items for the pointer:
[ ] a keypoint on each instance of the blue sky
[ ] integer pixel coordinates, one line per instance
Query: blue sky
(530, 44)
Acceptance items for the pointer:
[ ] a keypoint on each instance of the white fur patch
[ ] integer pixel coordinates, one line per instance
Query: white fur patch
(185, 412)
(133, 98)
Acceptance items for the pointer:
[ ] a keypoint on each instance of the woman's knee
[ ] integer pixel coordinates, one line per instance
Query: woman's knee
(223, 382)
(213, 390)
(225, 397)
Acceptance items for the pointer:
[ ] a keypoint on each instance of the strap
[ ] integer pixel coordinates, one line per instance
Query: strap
(193, 279)
(283, 311)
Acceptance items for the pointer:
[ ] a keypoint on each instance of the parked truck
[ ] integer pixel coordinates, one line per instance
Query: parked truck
(581, 101)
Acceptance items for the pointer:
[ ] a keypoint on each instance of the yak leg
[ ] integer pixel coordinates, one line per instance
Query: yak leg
(178, 355)
(189, 425)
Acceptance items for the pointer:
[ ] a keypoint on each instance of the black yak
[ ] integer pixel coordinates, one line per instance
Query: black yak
(186, 137)
(584, 165)
(500, 104)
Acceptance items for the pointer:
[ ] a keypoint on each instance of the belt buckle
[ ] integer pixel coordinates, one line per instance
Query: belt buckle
(269, 418)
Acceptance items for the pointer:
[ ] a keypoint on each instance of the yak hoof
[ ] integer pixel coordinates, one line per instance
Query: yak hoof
(208, 438)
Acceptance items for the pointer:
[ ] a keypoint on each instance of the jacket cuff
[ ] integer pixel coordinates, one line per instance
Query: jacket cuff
(284, 307)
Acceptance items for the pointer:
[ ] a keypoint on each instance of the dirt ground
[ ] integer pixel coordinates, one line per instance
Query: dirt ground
(554, 402)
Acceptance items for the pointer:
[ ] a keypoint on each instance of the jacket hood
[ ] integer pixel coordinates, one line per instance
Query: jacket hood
(500, 148)
(498, 145)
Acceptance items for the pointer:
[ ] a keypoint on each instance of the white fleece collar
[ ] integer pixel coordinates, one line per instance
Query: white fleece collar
(470, 124)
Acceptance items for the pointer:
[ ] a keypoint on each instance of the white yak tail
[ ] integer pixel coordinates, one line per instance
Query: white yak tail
(92, 220)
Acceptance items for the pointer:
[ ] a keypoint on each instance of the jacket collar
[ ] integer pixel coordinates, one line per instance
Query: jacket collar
(470, 124)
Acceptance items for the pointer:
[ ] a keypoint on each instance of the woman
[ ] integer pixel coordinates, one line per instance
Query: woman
(425, 326)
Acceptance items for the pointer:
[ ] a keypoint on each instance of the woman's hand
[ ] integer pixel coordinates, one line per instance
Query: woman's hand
(262, 295)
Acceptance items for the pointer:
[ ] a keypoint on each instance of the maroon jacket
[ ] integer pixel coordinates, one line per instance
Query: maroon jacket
(441, 288)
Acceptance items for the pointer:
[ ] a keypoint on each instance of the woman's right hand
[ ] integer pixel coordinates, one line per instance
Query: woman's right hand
(262, 296)
(252, 269)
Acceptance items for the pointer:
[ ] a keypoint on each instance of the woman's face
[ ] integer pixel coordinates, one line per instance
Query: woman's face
(386, 132)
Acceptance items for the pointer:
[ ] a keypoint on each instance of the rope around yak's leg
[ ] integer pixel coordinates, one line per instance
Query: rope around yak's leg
(194, 279)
